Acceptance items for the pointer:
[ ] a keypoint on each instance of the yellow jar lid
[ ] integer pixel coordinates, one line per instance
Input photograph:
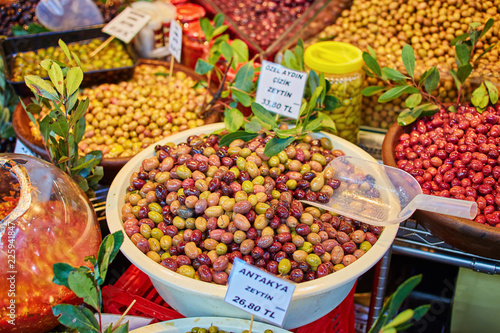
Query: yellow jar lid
(333, 57)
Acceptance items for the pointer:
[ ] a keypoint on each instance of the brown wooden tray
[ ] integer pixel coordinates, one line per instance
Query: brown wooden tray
(20, 122)
(466, 235)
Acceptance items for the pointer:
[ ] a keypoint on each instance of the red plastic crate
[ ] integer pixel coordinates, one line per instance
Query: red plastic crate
(136, 285)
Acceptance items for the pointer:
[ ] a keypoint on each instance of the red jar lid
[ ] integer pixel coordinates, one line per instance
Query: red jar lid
(193, 30)
(176, 2)
(188, 12)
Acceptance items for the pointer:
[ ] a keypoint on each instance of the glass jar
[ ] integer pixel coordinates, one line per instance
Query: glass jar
(341, 63)
(45, 219)
(194, 44)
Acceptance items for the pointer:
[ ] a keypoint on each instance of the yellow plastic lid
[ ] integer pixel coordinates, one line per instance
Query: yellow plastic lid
(333, 57)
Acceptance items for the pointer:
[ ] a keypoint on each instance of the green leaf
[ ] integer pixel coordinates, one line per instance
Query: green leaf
(107, 252)
(41, 87)
(372, 52)
(454, 75)
(488, 49)
(401, 318)
(203, 67)
(331, 103)
(487, 27)
(33, 108)
(207, 28)
(289, 60)
(285, 133)
(462, 54)
(81, 319)
(276, 145)
(219, 30)
(83, 286)
(327, 122)
(56, 76)
(370, 91)
(254, 126)
(492, 91)
(474, 35)
(228, 138)
(240, 52)
(79, 130)
(72, 100)
(61, 273)
(460, 38)
(46, 64)
(77, 60)
(313, 125)
(243, 79)
(45, 128)
(452, 108)
(401, 293)
(226, 50)
(74, 78)
(299, 54)
(242, 97)
(121, 329)
(372, 64)
(428, 109)
(60, 125)
(65, 49)
(393, 74)
(80, 111)
(413, 100)
(312, 81)
(260, 112)
(233, 119)
(480, 97)
(408, 56)
(464, 72)
(396, 92)
(474, 25)
(432, 81)
(420, 311)
(82, 182)
(408, 116)
(218, 20)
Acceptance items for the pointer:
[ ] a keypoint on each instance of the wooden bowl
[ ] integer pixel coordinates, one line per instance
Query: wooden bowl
(466, 235)
(20, 122)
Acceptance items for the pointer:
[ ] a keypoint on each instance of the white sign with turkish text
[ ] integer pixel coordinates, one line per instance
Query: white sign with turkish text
(175, 40)
(127, 24)
(280, 89)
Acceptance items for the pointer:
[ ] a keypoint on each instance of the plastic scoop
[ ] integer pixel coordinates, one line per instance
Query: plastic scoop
(381, 195)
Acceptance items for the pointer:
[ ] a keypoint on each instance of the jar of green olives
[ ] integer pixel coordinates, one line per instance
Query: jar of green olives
(341, 63)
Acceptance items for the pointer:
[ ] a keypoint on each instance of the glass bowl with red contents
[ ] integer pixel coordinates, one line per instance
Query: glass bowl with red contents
(45, 219)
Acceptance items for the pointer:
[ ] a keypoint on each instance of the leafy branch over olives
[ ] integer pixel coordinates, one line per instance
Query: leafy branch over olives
(421, 89)
(63, 128)
(242, 91)
(86, 283)
(7, 104)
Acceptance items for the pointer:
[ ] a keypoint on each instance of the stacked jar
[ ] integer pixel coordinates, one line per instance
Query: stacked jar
(342, 65)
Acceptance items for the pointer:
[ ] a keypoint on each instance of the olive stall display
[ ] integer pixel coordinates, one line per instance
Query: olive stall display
(195, 207)
(125, 117)
(115, 55)
(429, 27)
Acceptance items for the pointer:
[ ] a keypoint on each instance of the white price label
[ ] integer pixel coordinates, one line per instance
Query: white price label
(280, 89)
(22, 149)
(127, 24)
(175, 40)
(259, 293)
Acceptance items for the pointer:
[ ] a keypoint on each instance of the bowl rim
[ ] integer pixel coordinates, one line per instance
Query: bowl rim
(302, 290)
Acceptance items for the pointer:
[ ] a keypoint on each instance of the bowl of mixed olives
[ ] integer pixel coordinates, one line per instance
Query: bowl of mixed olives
(190, 207)
(209, 325)
(125, 117)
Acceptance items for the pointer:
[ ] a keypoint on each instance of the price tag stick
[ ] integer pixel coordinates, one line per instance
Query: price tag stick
(172, 60)
(103, 45)
(251, 324)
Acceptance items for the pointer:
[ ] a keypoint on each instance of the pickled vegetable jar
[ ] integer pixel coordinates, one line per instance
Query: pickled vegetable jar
(342, 65)
(45, 219)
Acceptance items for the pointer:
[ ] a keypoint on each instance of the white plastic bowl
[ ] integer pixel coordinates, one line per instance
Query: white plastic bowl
(193, 298)
(186, 325)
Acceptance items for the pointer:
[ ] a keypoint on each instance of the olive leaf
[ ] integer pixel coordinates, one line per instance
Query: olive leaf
(480, 97)
(40, 87)
(393, 74)
(408, 56)
(260, 112)
(233, 119)
(413, 100)
(203, 67)
(396, 92)
(243, 79)
(228, 138)
(240, 52)
(372, 64)
(56, 76)
(74, 78)
(78, 318)
(83, 286)
(107, 253)
(276, 145)
(241, 97)
(370, 91)
(492, 92)
(432, 81)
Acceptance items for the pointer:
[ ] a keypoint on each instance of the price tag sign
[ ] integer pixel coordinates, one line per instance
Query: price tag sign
(175, 40)
(280, 89)
(127, 24)
(259, 293)
(20, 148)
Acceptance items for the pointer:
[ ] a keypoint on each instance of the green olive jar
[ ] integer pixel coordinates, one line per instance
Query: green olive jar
(342, 65)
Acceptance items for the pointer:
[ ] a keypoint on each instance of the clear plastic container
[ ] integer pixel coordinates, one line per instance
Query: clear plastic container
(342, 65)
(45, 219)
